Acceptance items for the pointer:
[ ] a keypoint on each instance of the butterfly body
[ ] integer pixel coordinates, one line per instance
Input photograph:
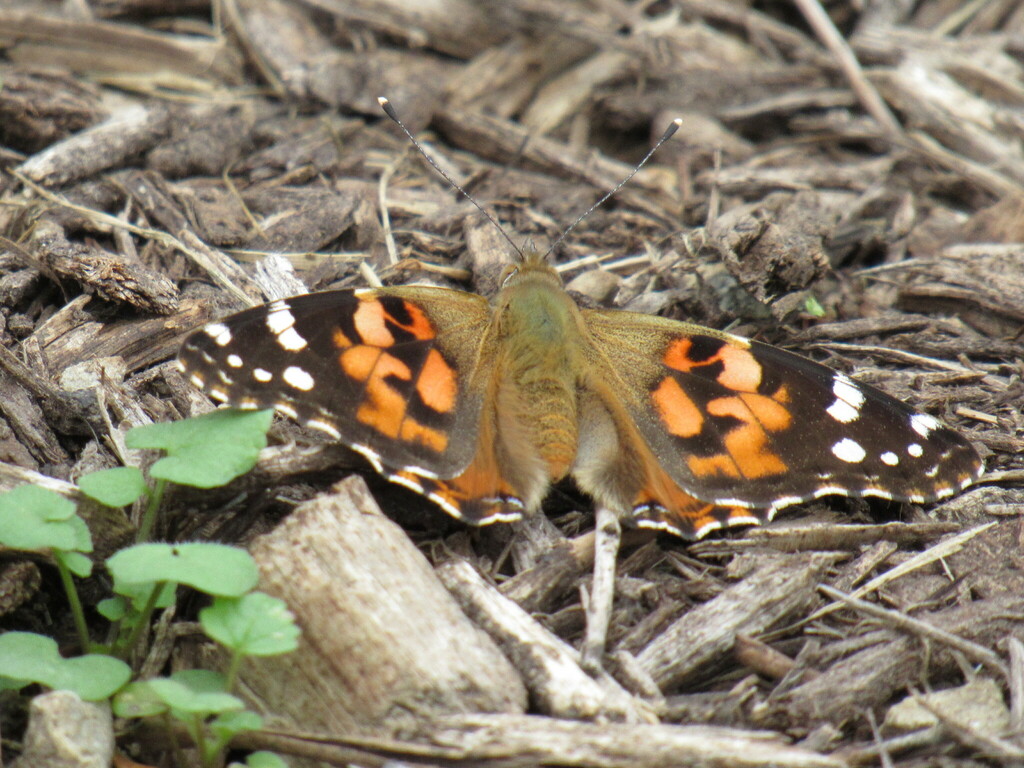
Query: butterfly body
(482, 406)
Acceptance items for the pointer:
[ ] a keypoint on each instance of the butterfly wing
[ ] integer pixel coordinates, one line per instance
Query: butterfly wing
(747, 428)
(389, 372)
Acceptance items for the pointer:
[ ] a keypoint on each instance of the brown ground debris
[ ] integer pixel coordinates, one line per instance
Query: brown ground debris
(848, 186)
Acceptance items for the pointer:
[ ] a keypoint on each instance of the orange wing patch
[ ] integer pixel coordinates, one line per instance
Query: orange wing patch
(736, 426)
(677, 411)
(740, 370)
(747, 444)
(436, 383)
(385, 407)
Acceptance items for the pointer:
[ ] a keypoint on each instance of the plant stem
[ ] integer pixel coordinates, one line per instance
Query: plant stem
(172, 736)
(232, 673)
(76, 605)
(149, 516)
(123, 649)
(199, 734)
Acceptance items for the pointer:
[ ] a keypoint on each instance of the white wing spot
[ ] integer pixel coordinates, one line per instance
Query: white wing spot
(923, 424)
(234, 361)
(290, 340)
(219, 332)
(849, 451)
(890, 458)
(287, 410)
(279, 319)
(197, 381)
(371, 456)
(408, 482)
(845, 389)
(915, 450)
(262, 375)
(843, 412)
(324, 426)
(297, 378)
(218, 394)
(849, 399)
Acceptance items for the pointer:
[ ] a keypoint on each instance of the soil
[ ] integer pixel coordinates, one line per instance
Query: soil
(847, 185)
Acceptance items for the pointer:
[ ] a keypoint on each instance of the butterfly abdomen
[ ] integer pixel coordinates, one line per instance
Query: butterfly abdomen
(539, 371)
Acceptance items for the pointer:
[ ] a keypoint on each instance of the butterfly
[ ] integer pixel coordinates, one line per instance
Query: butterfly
(481, 406)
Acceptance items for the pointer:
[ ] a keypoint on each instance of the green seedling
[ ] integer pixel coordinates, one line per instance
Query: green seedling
(813, 307)
(255, 624)
(37, 519)
(117, 487)
(208, 451)
(204, 452)
(26, 657)
(261, 760)
(198, 699)
(143, 572)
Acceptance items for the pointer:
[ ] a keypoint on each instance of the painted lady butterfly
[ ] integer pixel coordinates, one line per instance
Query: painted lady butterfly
(481, 406)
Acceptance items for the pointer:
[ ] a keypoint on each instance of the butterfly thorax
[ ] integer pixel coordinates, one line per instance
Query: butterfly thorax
(539, 330)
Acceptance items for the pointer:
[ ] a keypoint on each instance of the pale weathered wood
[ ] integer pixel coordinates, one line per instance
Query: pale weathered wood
(560, 742)
(66, 732)
(551, 669)
(384, 645)
(703, 637)
(525, 741)
(128, 131)
(873, 675)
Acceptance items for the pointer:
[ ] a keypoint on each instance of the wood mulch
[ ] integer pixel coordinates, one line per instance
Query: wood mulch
(848, 186)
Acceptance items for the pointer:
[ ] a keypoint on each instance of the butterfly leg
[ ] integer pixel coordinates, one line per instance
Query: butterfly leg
(602, 593)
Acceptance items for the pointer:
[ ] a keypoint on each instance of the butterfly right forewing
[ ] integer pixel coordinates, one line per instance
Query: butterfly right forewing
(745, 425)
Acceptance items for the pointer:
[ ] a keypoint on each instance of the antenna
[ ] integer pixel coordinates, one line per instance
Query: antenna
(672, 128)
(390, 112)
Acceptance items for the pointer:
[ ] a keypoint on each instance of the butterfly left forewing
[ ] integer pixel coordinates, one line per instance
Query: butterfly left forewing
(389, 372)
(745, 426)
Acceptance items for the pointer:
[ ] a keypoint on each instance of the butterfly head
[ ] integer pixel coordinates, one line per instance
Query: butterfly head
(532, 266)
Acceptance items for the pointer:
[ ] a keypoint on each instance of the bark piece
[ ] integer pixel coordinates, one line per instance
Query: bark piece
(127, 132)
(558, 742)
(550, 668)
(39, 108)
(871, 677)
(111, 275)
(699, 641)
(456, 27)
(19, 582)
(384, 645)
(522, 741)
(66, 732)
(304, 219)
(776, 246)
(205, 142)
(541, 587)
(74, 337)
(116, 50)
